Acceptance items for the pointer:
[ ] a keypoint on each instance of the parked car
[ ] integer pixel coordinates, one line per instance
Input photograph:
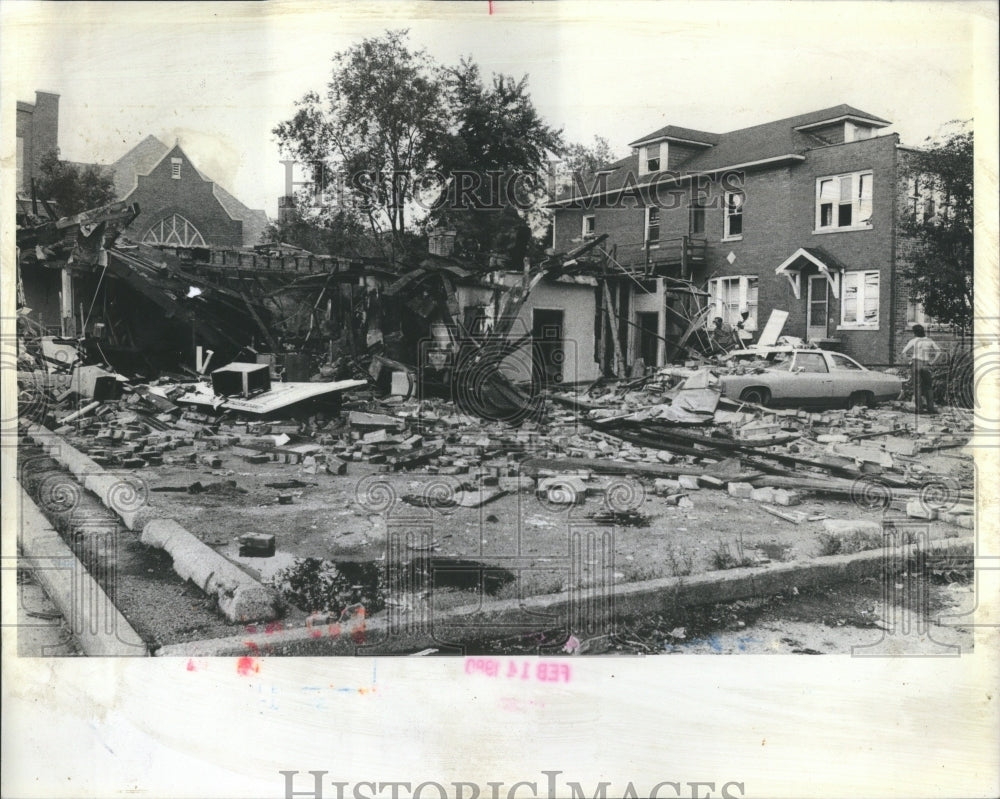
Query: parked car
(812, 377)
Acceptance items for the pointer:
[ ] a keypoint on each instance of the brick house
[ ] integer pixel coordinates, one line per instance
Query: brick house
(180, 205)
(800, 215)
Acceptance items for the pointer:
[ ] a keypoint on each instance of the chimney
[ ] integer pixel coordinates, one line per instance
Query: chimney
(441, 242)
(44, 127)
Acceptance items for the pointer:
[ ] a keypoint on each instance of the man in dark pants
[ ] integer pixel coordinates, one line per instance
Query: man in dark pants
(924, 353)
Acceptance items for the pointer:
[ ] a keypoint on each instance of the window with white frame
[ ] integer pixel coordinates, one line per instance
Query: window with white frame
(859, 299)
(589, 225)
(733, 225)
(731, 296)
(651, 158)
(652, 225)
(844, 202)
(175, 168)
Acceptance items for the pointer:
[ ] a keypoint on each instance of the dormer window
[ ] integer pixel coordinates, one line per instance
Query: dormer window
(175, 168)
(651, 157)
(853, 132)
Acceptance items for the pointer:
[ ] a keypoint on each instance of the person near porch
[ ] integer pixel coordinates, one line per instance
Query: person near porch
(721, 335)
(924, 353)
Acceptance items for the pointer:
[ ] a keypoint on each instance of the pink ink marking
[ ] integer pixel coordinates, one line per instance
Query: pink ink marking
(540, 671)
(491, 7)
(191, 666)
(247, 666)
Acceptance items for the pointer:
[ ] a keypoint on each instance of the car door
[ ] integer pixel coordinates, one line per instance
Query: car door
(810, 380)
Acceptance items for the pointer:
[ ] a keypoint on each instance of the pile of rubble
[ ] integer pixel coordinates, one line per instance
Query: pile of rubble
(671, 429)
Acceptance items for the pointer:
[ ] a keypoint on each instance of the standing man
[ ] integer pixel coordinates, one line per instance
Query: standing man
(924, 353)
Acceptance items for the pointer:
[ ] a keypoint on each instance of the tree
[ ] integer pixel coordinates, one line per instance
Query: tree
(584, 160)
(74, 188)
(337, 232)
(940, 227)
(378, 127)
(494, 159)
(411, 142)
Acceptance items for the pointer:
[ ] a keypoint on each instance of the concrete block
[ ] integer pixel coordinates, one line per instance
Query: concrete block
(916, 509)
(665, 487)
(785, 497)
(400, 384)
(689, 482)
(258, 458)
(765, 494)
(851, 526)
(256, 545)
(740, 490)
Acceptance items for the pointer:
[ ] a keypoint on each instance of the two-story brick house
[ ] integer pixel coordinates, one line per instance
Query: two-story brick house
(799, 215)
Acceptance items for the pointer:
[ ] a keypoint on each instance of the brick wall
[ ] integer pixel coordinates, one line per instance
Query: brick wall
(779, 217)
(38, 127)
(856, 250)
(160, 196)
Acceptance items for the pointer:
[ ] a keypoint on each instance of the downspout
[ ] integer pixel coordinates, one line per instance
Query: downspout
(893, 288)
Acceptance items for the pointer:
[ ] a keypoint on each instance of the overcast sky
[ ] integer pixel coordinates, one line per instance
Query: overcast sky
(218, 77)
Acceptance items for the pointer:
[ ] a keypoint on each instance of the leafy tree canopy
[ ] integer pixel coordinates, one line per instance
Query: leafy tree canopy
(395, 127)
(74, 188)
(940, 225)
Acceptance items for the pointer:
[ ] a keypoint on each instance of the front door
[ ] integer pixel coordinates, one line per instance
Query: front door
(648, 335)
(818, 308)
(547, 341)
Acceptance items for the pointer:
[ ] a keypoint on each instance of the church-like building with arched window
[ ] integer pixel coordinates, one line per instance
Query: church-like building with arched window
(179, 205)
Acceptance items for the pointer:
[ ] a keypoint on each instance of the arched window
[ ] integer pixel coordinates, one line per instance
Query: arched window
(175, 230)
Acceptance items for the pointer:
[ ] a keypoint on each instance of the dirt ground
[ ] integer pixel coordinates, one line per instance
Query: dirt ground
(515, 546)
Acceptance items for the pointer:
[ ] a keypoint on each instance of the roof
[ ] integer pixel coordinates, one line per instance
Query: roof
(140, 160)
(770, 141)
(254, 221)
(144, 158)
(675, 132)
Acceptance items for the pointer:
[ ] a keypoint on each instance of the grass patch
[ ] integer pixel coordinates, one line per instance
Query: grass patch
(725, 558)
(859, 541)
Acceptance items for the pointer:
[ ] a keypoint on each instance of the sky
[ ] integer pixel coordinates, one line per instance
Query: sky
(219, 77)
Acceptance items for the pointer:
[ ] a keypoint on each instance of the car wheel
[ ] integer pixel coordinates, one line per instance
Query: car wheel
(861, 398)
(758, 396)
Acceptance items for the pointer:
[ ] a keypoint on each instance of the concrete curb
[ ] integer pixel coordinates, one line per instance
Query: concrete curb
(92, 617)
(241, 598)
(379, 635)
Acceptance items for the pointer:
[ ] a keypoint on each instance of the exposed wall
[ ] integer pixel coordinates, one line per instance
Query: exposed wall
(37, 126)
(578, 304)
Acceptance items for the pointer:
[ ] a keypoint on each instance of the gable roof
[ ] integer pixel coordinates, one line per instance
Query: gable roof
(675, 132)
(254, 221)
(140, 160)
(147, 155)
(783, 139)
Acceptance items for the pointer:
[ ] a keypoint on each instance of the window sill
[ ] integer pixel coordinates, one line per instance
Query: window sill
(852, 229)
(872, 328)
(732, 238)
